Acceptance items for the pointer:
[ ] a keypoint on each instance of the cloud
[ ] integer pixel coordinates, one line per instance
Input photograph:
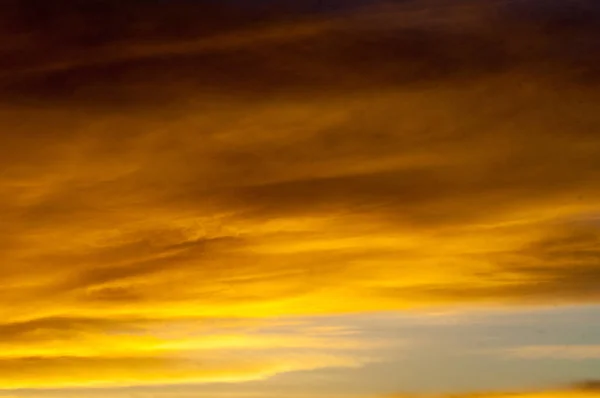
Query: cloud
(556, 351)
(273, 202)
(268, 204)
(381, 51)
(570, 392)
(591, 385)
(553, 269)
(65, 372)
(338, 163)
(81, 353)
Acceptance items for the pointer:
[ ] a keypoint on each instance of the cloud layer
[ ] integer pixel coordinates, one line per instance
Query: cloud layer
(405, 157)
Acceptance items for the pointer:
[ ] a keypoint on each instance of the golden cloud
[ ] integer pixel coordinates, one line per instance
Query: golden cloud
(80, 353)
(64, 372)
(325, 166)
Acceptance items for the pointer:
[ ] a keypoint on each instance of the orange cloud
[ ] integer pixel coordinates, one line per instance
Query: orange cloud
(325, 166)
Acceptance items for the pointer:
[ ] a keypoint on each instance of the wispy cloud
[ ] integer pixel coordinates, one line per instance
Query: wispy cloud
(578, 390)
(80, 353)
(323, 166)
(556, 351)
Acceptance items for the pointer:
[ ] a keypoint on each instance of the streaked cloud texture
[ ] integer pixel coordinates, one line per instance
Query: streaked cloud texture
(173, 189)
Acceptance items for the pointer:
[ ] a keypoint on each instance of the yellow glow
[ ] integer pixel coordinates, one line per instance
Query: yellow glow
(98, 372)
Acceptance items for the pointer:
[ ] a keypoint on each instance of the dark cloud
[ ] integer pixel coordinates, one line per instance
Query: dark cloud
(588, 385)
(350, 55)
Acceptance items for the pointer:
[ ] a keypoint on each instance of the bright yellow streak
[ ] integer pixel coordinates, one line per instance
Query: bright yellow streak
(66, 373)
(106, 346)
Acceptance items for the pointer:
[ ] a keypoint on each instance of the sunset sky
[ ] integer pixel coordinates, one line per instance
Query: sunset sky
(287, 199)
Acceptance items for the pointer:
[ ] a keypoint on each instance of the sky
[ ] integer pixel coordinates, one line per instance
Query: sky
(366, 199)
